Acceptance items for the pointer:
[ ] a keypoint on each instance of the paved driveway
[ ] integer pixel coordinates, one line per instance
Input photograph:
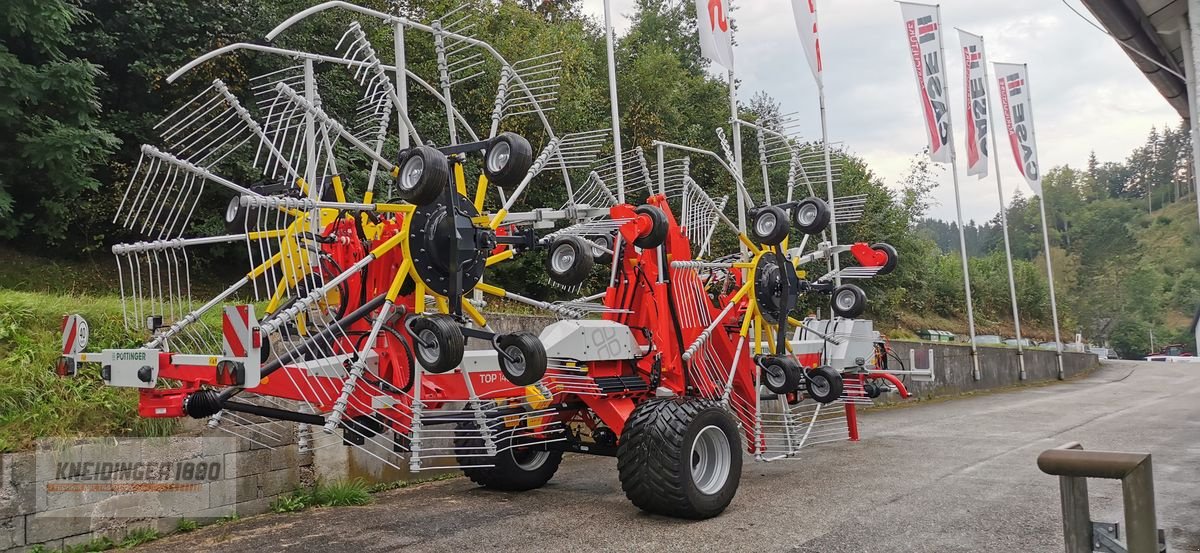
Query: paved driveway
(941, 476)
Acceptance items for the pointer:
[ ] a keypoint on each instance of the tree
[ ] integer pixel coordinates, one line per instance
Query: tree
(49, 130)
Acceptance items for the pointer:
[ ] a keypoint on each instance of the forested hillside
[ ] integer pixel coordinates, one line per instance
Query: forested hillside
(82, 86)
(1124, 240)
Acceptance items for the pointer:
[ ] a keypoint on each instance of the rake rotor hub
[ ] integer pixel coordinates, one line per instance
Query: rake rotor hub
(440, 235)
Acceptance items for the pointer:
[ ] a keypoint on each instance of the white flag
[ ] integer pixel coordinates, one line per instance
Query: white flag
(1018, 120)
(805, 12)
(716, 33)
(923, 25)
(975, 70)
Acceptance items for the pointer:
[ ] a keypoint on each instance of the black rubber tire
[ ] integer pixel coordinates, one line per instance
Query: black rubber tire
(812, 216)
(872, 390)
(658, 230)
(449, 340)
(848, 301)
(893, 257)
(424, 175)
(782, 374)
(237, 216)
(770, 225)
(520, 159)
(514, 469)
(824, 384)
(569, 261)
(531, 366)
(655, 456)
(602, 257)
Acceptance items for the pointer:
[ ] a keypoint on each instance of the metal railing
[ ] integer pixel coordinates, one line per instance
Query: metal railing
(1074, 466)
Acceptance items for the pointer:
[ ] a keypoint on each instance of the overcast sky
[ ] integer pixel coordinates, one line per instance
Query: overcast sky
(1087, 93)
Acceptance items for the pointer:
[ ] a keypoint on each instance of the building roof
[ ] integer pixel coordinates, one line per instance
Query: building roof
(1151, 27)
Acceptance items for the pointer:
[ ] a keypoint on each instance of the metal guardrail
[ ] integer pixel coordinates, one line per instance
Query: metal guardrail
(1074, 466)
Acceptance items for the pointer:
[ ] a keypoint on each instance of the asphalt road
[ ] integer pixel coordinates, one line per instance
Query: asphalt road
(944, 476)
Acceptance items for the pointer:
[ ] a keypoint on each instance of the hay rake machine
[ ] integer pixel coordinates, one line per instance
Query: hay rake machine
(368, 325)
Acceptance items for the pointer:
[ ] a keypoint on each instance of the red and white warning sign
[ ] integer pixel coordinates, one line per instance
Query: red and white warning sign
(74, 334)
(239, 336)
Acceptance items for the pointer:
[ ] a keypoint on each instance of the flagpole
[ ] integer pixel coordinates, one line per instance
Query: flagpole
(829, 182)
(609, 38)
(737, 148)
(962, 237)
(1046, 243)
(1012, 282)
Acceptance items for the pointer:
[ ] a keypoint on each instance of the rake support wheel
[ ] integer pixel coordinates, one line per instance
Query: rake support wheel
(509, 157)
(439, 343)
(424, 174)
(782, 374)
(522, 358)
(570, 260)
(680, 457)
(824, 384)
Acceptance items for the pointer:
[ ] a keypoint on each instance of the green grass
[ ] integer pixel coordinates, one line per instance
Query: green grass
(338, 493)
(36, 403)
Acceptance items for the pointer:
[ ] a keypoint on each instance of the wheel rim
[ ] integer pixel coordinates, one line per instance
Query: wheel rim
(820, 385)
(429, 353)
(711, 458)
(845, 301)
(563, 258)
(231, 211)
(775, 376)
(498, 156)
(601, 242)
(414, 168)
(765, 224)
(806, 215)
(515, 361)
(529, 460)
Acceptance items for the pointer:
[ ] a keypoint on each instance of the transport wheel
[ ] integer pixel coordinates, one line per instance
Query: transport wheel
(439, 343)
(848, 301)
(570, 260)
(812, 216)
(781, 374)
(872, 391)
(424, 174)
(770, 226)
(509, 157)
(522, 358)
(237, 218)
(893, 257)
(680, 457)
(514, 468)
(604, 244)
(658, 230)
(824, 384)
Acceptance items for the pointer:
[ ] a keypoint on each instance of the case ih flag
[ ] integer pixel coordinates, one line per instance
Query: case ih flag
(1018, 120)
(975, 70)
(805, 12)
(716, 31)
(922, 22)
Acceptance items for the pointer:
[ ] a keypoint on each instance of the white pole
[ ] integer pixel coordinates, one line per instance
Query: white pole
(609, 37)
(1012, 281)
(837, 279)
(962, 237)
(1046, 244)
(1191, 53)
(737, 150)
(401, 83)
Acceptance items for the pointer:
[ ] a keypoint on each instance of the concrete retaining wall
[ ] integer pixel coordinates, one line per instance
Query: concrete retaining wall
(998, 367)
(256, 476)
